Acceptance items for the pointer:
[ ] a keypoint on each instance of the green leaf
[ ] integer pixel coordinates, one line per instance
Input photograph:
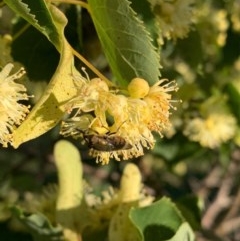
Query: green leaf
(161, 221)
(126, 43)
(191, 208)
(234, 100)
(95, 234)
(121, 228)
(190, 49)
(172, 152)
(39, 56)
(184, 233)
(37, 14)
(145, 13)
(50, 108)
(39, 226)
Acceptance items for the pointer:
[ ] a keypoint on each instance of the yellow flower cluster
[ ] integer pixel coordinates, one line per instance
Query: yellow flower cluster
(212, 131)
(235, 15)
(215, 125)
(118, 123)
(100, 211)
(173, 17)
(104, 210)
(213, 25)
(11, 112)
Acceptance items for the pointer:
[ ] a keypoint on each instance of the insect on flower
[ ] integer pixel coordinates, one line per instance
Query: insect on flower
(106, 142)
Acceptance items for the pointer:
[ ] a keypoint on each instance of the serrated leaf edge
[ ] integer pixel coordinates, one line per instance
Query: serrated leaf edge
(28, 11)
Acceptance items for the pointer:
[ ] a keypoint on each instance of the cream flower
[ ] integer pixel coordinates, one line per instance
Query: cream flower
(212, 131)
(173, 17)
(215, 124)
(213, 24)
(103, 209)
(118, 124)
(11, 112)
(235, 14)
(159, 102)
(44, 202)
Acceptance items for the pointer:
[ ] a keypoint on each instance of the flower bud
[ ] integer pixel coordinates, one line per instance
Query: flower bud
(138, 88)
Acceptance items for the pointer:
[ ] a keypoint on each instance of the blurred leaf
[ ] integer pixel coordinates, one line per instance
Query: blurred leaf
(10, 235)
(229, 53)
(121, 228)
(190, 49)
(234, 100)
(8, 196)
(125, 41)
(39, 226)
(191, 208)
(177, 148)
(95, 234)
(167, 150)
(161, 221)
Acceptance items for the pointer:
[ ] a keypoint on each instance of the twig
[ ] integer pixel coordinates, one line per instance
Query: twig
(222, 200)
(211, 180)
(228, 226)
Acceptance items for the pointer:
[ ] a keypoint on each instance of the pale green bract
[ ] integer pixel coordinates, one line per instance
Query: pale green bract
(49, 110)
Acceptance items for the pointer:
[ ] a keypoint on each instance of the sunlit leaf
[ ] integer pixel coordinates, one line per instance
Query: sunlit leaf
(161, 221)
(234, 100)
(49, 109)
(39, 226)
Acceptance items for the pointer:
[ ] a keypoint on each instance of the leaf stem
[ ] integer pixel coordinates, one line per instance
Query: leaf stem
(76, 2)
(21, 31)
(90, 66)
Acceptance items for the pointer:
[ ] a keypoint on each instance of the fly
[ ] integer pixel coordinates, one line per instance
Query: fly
(106, 142)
